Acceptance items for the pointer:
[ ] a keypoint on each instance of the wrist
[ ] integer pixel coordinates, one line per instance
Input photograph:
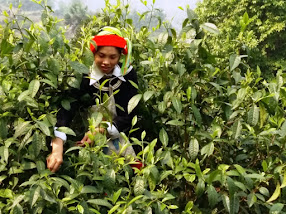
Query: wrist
(57, 145)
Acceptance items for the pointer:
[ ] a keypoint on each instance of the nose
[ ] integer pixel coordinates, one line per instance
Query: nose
(105, 61)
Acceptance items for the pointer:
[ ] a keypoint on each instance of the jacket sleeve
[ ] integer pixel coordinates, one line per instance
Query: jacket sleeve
(123, 120)
(64, 117)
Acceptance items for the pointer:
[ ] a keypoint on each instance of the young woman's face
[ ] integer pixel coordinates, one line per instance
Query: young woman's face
(106, 58)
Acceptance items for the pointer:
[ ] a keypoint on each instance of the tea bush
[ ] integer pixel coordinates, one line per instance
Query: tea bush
(211, 133)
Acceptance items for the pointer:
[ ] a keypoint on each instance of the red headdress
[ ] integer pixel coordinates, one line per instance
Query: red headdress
(109, 40)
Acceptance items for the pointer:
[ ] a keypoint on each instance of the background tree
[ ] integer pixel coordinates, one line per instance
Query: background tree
(74, 13)
(265, 39)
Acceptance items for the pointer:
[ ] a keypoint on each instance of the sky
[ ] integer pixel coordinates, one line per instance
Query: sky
(170, 7)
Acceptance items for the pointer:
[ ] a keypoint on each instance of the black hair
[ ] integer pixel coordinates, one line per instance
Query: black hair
(120, 50)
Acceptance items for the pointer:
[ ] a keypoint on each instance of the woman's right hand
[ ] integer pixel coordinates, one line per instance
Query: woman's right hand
(55, 159)
(86, 139)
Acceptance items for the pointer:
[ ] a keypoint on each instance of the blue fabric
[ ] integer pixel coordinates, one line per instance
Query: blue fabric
(115, 143)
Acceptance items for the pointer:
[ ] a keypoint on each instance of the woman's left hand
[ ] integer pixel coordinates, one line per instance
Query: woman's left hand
(86, 139)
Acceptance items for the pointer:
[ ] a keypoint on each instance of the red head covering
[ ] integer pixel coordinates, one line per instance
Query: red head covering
(109, 40)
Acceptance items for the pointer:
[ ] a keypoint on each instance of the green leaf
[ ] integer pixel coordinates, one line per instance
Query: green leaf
(35, 195)
(96, 118)
(34, 87)
(3, 128)
(226, 202)
(276, 193)
(147, 95)
(264, 191)
(79, 68)
(116, 196)
(36, 144)
(113, 209)
(213, 196)
(133, 102)
(175, 123)
(135, 199)
(234, 61)
(210, 27)
(18, 209)
(164, 137)
(134, 120)
(282, 131)
(253, 115)
(197, 115)
(21, 129)
(276, 208)
(162, 107)
(89, 189)
(251, 199)
(73, 82)
(189, 91)
(193, 148)
(191, 14)
(44, 128)
(66, 130)
(100, 202)
(177, 104)
(88, 57)
(208, 149)
(134, 84)
(66, 104)
(236, 129)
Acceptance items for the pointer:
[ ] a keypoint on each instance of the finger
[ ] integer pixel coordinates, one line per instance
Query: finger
(48, 159)
(84, 138)
(81, 144)
(56, 166)
(51, 164)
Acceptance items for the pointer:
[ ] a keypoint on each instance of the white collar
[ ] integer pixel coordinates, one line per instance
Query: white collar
(96, 74)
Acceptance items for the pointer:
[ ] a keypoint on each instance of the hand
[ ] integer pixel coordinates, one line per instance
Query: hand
(86, 139)
(55, 159)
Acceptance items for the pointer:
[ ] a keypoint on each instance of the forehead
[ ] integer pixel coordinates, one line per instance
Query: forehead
(108, 50)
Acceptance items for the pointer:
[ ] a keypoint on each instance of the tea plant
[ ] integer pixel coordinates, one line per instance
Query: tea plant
(210, 132)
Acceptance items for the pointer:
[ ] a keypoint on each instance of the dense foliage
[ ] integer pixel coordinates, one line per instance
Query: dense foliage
(211, 130)
(256, 28)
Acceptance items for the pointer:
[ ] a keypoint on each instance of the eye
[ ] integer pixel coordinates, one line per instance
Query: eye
(113, 56)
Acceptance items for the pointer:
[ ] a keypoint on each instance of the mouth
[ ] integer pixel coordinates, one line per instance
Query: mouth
(104, 68)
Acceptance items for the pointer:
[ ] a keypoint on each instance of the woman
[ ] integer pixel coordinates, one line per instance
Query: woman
(109, 46)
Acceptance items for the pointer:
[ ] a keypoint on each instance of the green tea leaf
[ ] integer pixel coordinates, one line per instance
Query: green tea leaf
(34, 87)
(210, 27)
(44, 128)
(234, 61)
(213, 196)
(253, 115)
(79, 68)
(66, 104)
(21, 129)
(147, 95)
(35, 195)
(89, 189)
(193, 148)
(264, 191)
(175, 123)
(18, 209)
(100, 202)
(236, 128)
(208, 149)
(133, 102)
(116, 196)
(177, 104)
(197, 115)
(276, 193)
(164, 137)
(88, 57)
